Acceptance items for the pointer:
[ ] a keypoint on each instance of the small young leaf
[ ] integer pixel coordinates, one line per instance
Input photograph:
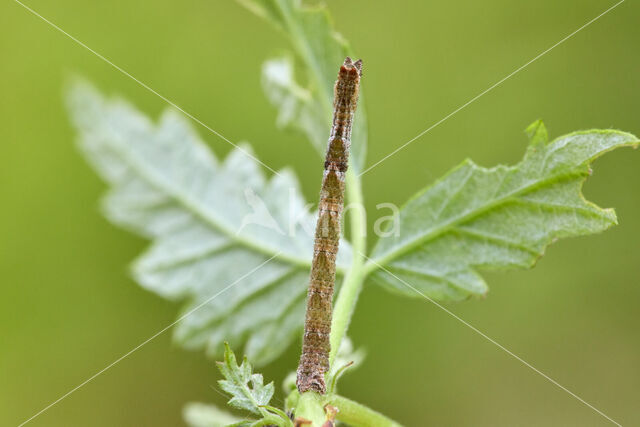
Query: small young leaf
(298, 108)
(347, 358)
(246, 388)
(504, 217)
(319, 48)
(211, 223)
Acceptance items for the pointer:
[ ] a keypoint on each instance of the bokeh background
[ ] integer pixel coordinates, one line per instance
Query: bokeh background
(68, 307)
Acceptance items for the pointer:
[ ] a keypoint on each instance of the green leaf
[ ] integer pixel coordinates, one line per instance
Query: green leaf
(320, 50)
(297, 107)
(206, 415)
(500, 218)
(246, 388)
(211, 224)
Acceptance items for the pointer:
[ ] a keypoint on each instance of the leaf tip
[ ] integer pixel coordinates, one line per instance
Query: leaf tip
(537, 133)
(611, 215)
(228, 353)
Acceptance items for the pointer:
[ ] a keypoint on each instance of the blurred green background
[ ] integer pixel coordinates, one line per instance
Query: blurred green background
(68, 307)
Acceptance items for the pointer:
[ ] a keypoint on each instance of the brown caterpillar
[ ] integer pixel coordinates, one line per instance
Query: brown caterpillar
(314, 362)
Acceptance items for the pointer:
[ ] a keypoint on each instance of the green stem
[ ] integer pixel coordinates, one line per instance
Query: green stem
(352, 284)
(353, 413)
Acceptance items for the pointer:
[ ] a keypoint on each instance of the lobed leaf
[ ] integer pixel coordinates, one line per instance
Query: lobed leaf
(211, 224)
(248, 392)
(246, 388)
(504, 217)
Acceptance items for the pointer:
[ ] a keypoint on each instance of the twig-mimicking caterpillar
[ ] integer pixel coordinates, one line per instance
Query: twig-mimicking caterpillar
(314, 362)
